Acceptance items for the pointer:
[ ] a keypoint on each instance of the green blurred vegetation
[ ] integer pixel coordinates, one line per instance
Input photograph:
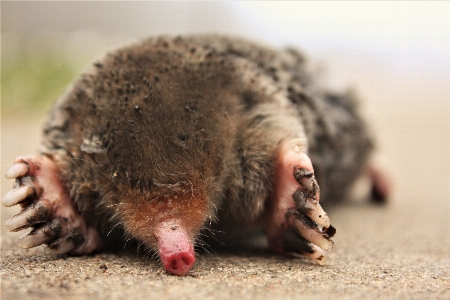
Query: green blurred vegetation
(32, 80)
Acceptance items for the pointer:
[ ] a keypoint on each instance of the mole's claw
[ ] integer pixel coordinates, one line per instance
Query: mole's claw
(316, 254)
(308, 229)
(309, 206)
(330, 231)
(33, 214)
(17, 195)
(307, 179)
(67, 243)
(307, 196)
(295, 244)
(59, 246)
(17, 170)
(38, 236)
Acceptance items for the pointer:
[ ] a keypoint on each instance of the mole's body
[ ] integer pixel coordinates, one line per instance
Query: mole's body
(168, 137)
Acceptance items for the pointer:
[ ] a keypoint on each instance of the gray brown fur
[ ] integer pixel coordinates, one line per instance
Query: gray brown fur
(163, 110)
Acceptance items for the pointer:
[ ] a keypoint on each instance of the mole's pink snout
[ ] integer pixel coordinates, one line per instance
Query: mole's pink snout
(175, 248)
(179, 263)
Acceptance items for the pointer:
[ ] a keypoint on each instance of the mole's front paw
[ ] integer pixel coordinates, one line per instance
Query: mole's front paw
(309, 225)
(296, 223)
(47, 208)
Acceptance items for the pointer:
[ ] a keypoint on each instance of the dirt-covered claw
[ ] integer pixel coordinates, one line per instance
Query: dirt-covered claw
(33, 214)
(308, 229)
(17, 170)
(310, 207)
(308, 181)
(41, 235)
(297, 245)
(67, 243)
(316, 254)
(329, 231)
(307, 197)
(17, 195)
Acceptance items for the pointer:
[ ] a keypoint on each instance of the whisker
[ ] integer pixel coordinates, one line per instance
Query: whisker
(112, 228)
(126, 241)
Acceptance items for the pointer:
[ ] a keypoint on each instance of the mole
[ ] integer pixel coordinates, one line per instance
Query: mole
(169, 139)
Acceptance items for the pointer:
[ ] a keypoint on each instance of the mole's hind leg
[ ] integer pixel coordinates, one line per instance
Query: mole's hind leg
(381, 183)
(47, 208)
(296, 223)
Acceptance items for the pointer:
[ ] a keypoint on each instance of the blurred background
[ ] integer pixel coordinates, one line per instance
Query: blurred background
(396, 55)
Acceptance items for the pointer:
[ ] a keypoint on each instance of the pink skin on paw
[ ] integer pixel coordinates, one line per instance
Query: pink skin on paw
(47, 182)
(175, 247)
(290, 156)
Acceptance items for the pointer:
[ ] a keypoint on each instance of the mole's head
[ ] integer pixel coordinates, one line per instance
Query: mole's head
(162, 181)
(167, 123)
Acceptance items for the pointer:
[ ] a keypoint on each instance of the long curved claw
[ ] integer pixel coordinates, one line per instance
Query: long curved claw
(306, 197)
(17, 195)
(309, 230)
(317, 255)
(38, 236)
(17, 170)
(297, 245)
(311, 208)
(33, 214)
(67, 243)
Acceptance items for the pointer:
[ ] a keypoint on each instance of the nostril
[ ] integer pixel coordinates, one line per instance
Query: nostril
(174, 265)
(185, 260)
(180, 263)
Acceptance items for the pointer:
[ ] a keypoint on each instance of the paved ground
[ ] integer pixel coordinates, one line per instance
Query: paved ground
(401, 251)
